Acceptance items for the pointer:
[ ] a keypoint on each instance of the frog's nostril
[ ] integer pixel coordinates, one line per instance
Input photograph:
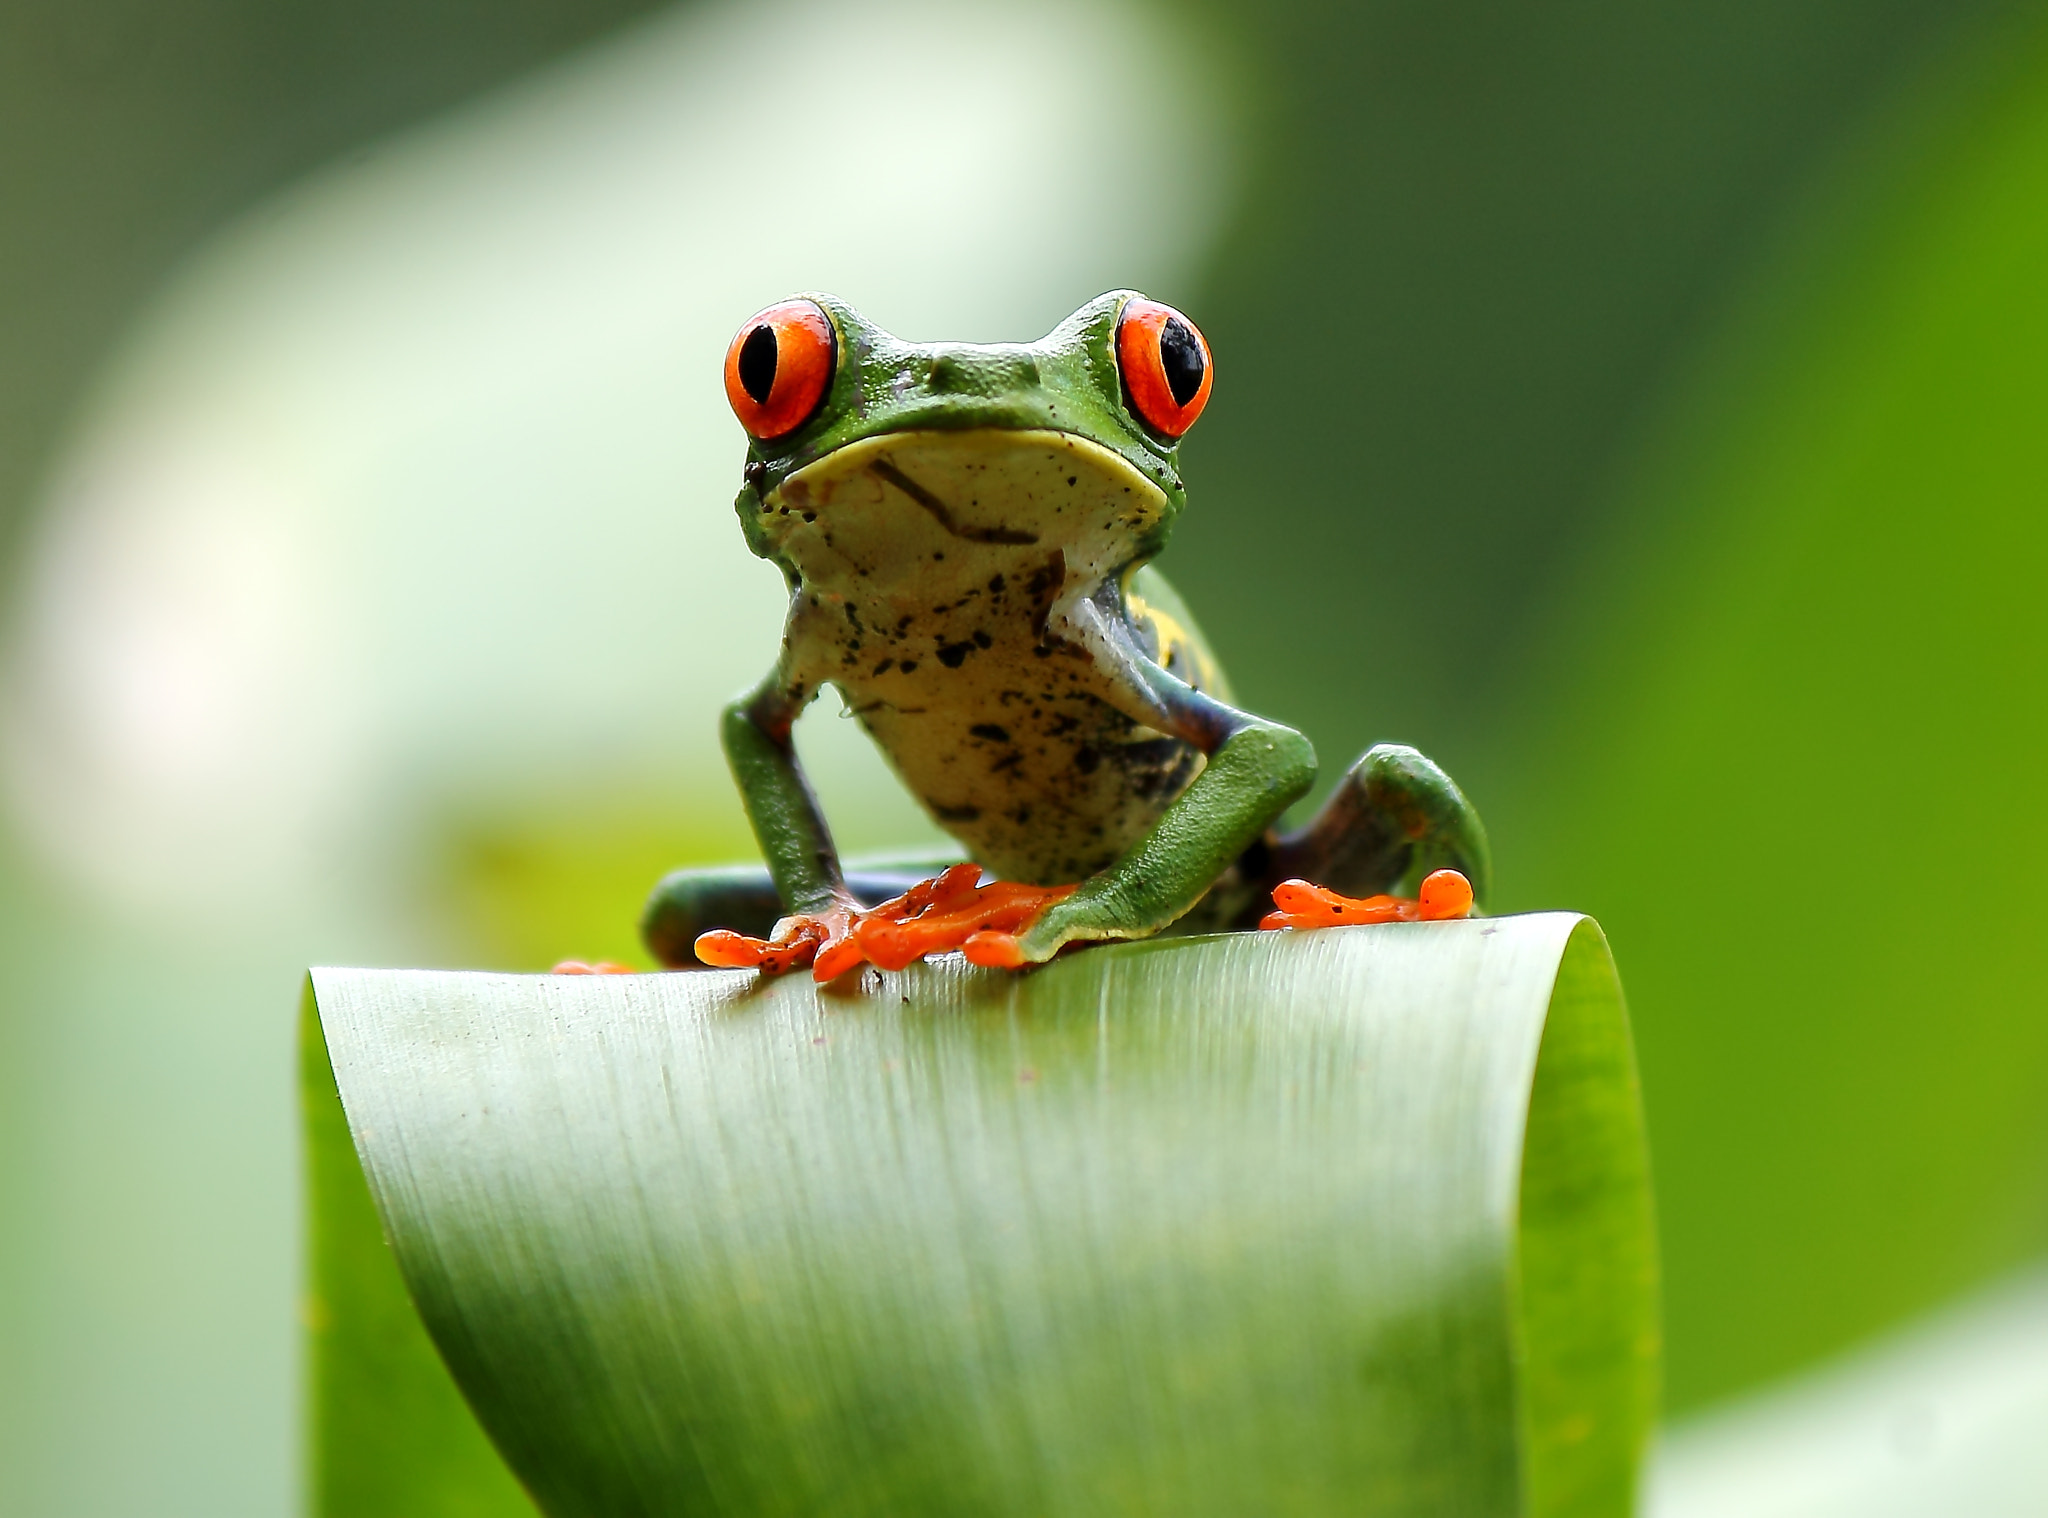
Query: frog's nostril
(948, 375)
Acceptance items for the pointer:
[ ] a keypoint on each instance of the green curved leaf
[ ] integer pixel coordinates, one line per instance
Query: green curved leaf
(1273, 1223)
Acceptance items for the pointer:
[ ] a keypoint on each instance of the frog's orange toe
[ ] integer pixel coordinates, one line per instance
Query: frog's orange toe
(729, 950)
(837, 957)
(1445, 894)
(594, 967)
(822, 941)
(796, 943)
(890, 945)
(993, 949)
(1300, 904)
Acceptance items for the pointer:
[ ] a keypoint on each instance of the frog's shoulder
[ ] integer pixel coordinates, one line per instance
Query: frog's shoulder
(1162, 618)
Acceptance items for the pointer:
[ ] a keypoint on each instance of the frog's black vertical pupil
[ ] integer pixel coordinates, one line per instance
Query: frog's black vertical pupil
(1180, 355)
(757, 363)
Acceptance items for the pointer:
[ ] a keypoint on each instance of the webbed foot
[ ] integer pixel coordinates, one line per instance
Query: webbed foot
(955, 911)
(952, 910)
(1444, 894)
(824, 941)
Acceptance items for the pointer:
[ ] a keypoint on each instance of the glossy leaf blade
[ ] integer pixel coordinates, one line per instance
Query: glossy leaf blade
(1255, 1224)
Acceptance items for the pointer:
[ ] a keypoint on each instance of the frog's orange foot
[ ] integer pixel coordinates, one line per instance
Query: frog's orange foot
(824, 942)
(949, 911)
(591, 967)
(1445, 894)
(954, 911)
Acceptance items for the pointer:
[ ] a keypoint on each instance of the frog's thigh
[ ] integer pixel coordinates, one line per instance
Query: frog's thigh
(1393, 818)
(742, 897)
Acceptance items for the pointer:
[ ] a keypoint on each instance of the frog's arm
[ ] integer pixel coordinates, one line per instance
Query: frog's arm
(785, 815)
(1151, 599)
(1256, 769)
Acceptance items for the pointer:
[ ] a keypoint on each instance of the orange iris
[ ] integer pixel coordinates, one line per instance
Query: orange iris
(1166, 366)
(779, 367)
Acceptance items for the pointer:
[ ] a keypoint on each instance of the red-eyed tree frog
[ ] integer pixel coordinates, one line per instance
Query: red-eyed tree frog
(967, 534)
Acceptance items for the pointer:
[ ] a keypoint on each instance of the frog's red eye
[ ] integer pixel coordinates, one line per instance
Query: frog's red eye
(779, 367)
(1166, 366)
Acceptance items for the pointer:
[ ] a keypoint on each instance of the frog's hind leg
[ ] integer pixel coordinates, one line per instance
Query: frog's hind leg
(1393, 819)
(742, 897)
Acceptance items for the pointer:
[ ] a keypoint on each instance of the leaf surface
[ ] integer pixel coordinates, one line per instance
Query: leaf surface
(1341, 1222)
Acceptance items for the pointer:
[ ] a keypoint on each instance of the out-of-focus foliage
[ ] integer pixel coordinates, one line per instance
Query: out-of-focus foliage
(1803, 688)
(1937, 1420)
(131, 128)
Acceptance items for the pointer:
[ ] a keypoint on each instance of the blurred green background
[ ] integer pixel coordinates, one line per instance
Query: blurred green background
(1639, 407)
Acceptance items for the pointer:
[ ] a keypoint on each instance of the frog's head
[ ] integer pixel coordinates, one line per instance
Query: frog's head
(832, 403)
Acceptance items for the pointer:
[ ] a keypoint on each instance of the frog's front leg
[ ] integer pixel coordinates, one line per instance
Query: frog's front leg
(794, 839)
(1256, 769)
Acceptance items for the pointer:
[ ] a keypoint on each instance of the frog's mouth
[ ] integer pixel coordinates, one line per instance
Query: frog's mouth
(939, 505)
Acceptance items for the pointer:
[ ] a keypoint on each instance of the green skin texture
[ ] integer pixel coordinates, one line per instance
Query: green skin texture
(1209, 842)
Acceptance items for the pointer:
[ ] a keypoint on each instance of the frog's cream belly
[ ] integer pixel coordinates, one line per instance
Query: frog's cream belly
(940, 571)
(1040, 779)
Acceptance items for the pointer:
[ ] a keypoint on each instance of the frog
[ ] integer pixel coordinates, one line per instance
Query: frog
(966, 535)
